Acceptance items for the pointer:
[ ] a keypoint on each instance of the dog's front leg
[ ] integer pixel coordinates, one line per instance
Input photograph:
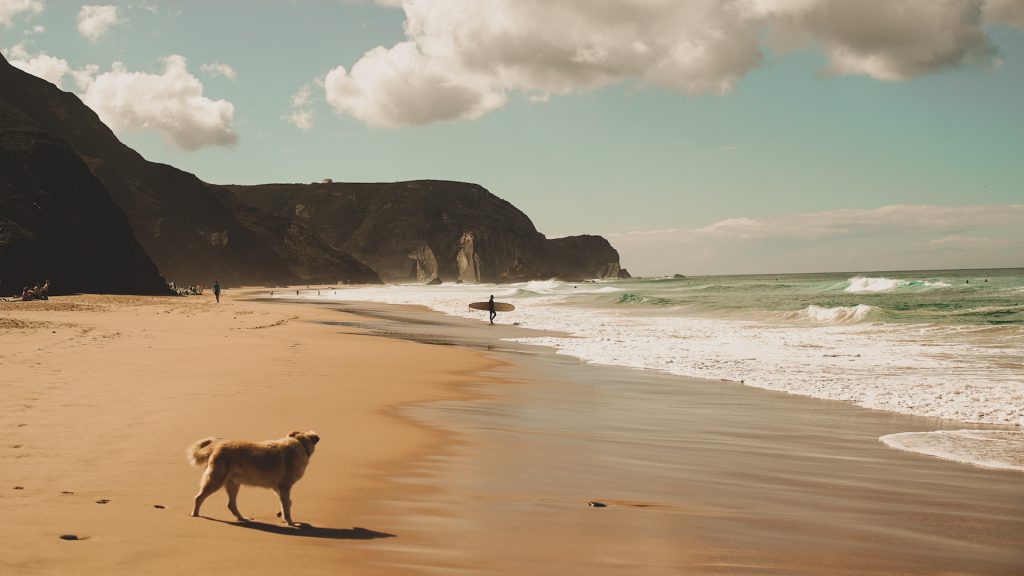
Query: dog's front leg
(285, 493)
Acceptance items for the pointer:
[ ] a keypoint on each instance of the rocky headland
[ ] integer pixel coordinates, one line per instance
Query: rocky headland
(88, 189)
(429, 230)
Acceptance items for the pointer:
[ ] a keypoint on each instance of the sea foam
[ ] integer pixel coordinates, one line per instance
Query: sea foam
(999, 449)
(837, 314)
(968, 373)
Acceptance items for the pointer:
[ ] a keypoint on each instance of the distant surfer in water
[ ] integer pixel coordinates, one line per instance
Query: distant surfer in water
(490, 308)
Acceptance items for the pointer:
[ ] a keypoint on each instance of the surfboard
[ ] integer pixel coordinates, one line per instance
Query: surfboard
(498, 306)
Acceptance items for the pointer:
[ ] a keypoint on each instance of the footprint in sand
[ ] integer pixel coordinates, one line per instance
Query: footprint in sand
(19, 487)
(66, 492)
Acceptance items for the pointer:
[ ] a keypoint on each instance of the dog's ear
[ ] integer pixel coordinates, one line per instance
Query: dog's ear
(313, 437)
(294, 434)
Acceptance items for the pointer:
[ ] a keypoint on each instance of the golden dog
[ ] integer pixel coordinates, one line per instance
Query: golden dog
(274, 464)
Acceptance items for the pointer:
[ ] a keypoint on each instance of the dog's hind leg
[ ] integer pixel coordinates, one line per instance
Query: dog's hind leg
(232, 488)
(213, 479)
(285, 493)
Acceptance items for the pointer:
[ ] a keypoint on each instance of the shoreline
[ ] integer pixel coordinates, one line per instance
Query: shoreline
(494, 456)
(835, 456)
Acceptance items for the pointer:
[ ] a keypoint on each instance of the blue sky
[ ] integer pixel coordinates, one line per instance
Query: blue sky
(698, 136)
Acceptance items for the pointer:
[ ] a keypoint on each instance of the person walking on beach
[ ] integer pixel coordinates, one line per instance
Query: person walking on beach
(490, 308)
(216, 290)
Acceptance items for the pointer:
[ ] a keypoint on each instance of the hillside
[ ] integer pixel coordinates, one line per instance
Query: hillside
(428, 229)
(57, 221)
(195, 232)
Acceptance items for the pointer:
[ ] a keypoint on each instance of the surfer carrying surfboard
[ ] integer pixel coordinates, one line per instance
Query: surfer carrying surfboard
(492, 307)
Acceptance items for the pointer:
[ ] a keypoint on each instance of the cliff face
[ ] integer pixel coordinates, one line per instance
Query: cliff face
(57, 221)
(423, 230)
(195, 232)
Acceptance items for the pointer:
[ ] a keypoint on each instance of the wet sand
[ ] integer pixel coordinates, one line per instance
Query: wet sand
(446, 450)
(699, 477)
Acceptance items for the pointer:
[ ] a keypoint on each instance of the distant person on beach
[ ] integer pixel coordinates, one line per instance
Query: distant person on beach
(216, 290)
(490, 308)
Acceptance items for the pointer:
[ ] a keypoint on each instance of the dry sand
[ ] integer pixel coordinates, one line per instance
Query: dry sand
(100, 396)
(473, 458)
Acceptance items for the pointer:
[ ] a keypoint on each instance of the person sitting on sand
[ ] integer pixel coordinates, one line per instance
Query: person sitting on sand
(26, 294)
(43, 293)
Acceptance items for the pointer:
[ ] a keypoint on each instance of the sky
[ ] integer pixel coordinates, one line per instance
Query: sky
(698, 136)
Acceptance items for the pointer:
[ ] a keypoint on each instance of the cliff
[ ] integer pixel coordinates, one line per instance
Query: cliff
(425, 230)
(195, 232)
(57, 221)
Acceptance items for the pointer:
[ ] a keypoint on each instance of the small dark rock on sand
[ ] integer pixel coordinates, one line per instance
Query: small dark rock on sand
(596, 504)
(69, 537)
(19, 487)
(102, 501)
(160, 506)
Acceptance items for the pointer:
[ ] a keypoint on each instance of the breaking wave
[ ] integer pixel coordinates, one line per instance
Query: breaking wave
(839, 314)
(861, 284)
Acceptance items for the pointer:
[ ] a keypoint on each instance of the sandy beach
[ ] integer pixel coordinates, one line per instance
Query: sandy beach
(446, 450)
(102, 394)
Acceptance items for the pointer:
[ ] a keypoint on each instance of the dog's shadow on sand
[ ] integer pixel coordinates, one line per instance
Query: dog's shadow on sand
(304, 530)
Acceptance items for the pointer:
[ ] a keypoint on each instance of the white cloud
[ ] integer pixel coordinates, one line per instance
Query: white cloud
(1009, 12)
(84, 76)
(219, 69)
(891, 237)
(462, 58)
(303, 97)
(9, 9)
(402, 86)
(171, 103)
(301, 119)
(301, 114)
(49, 68)
(94, 21)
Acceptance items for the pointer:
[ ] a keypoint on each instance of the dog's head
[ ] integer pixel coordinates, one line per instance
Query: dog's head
(307, 439)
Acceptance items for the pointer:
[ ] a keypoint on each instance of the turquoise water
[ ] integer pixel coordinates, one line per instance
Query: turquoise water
(963, 297)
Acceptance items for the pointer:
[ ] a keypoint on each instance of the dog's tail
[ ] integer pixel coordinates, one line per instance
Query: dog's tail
(200, 452)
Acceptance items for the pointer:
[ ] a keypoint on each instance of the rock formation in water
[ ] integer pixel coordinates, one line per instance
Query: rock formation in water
(57, 221)
(194, 231)
(425, 230)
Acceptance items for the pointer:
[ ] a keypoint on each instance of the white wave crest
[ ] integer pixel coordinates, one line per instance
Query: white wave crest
(999, 449)
(848, 314)
(860, 284)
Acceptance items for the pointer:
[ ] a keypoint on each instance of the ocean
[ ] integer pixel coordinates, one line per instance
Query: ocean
(943, 344)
